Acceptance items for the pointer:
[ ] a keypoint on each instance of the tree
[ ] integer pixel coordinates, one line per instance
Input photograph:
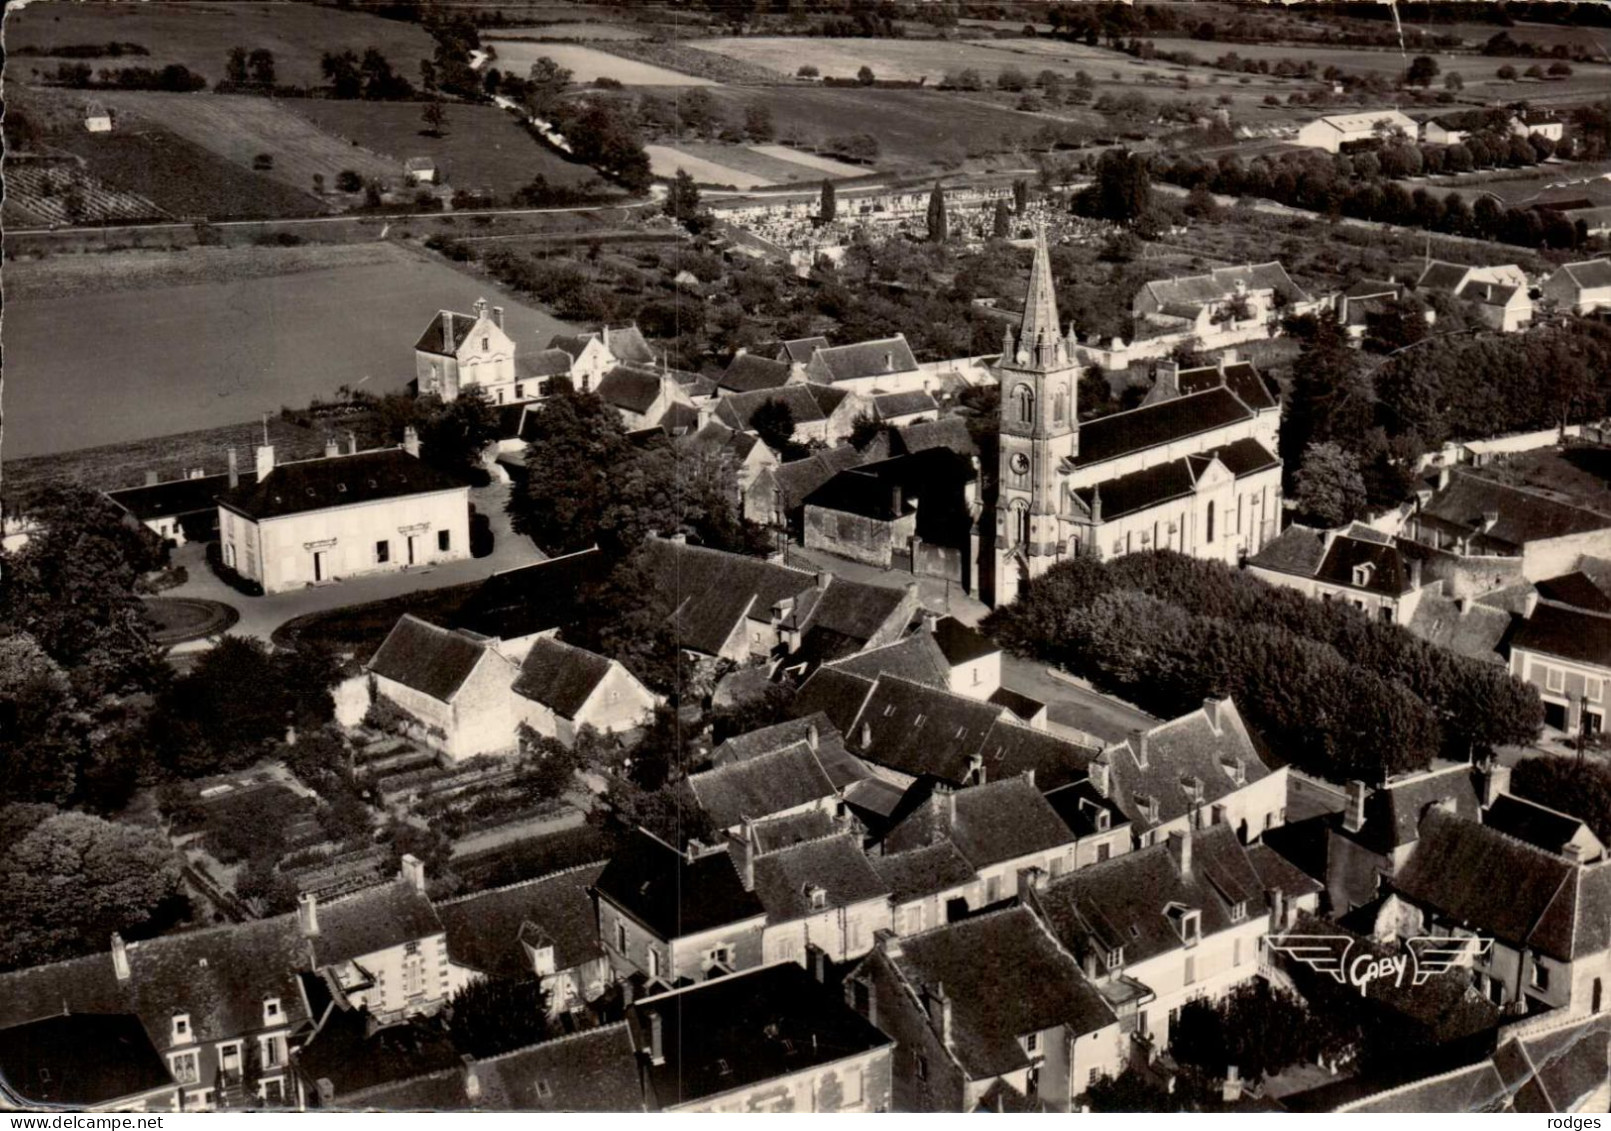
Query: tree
(1257, 1028)
(773, 422)
(1579, 787)
(865, 76)
(261, 62)
(1001, 222)
(1020, 196)
(435, 117)
(1423, 69)
(1331, 490)
(341, 72)
(454, 435)
(682, 201)
(380, 82)
(1454, 82)
(1560, 69)
(349, 180)
(493, 1015)
(235, 69)
(546, 82)
(72, 880)
(1122, 191)
(576, 446)
(1506, 73)
(758, 122)
(1131, 1090)
(938, 227)
(42, 739)
(829, 209)
(807, 71)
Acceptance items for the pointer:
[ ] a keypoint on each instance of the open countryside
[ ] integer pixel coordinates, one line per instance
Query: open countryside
(588, 64)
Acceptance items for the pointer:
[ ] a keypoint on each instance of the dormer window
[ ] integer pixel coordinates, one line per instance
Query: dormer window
(1362, 574)
(1031, 1043)
(1103, 820)
(271, 1011)
(1116, 958)
(181, 1028)
(1239, 911)
(1187, 921)
(817, 895)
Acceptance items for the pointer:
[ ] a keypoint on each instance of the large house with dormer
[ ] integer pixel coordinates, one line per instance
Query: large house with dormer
(459, 350)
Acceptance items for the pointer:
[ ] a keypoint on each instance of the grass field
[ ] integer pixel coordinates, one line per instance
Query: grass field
(571, 31)
(238, 127)
(484, 147)
(811, 161)
(152, 360)
(1542, 35)
(666, 161)
(200, 34)
(588, 63)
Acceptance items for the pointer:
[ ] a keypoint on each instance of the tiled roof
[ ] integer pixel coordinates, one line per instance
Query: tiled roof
(1298, 550)
(1079, 805)
(1490, 294)
(1576, 589)
(949, 432)
(1529, 821)
(739, 1031)
(672, 895)
(571, 345)
(370, 921)
(780, 832)
(1122, 902)
(758, 787)
(1029, 985)
(990, 824)
(1277, 873)
(748, 372)
(889, 405)
(737, 410)
(446, 333)
(862, 492)
(593, 1071)
(1572, 634)
(1220, 284)
(716, 438)
(219, 976)
(177, 496)
(800, 349)
(1393, 813)
(543, 363)
(634, 390)
(627, 345)
(489, 931)
(799, 478)
(337, 481)
(923, 871)
(714, 590)
(1478, 632)
(836, 864)
(1020, 705)
(1592, 274)
(842, 767)
(920, 730)
(855, 608)
(560, 676)
(1522, 895)
(80, 1060)
(1524, 516)
(431, 660)
(1241, 378)
(393, 1067)
(960, 644)
(530, 599)
(836, 695)
(1110, 437)
(1191, 749)
(875, 358)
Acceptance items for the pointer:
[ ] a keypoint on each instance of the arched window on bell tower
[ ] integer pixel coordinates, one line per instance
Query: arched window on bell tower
(1025, 396)
(1020, 523)
(1060, 407)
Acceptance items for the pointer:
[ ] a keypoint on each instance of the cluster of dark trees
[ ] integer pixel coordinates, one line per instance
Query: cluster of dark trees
(1121, 190)
(1363, 186)
(112, 50)
(249, 68)
(370, 77)
(1334, 692)
(175, 77)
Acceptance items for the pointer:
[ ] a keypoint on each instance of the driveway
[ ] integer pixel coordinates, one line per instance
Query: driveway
(260, 616)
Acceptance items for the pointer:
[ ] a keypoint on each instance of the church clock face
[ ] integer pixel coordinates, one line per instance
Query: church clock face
(1020, 463)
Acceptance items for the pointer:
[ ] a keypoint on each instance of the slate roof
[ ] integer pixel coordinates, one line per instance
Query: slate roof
(337, 481)
(1479, 632)
(864, 493)
(542, 363)
(1522, 895)
(1393, 813)
(714, 590)
(594, 1071)
(1572, 634)
(1298, 550)
(836, 864)
(1277, 873)
(886, 406)
(560, 676)
(1576, 589)
(1240, 377)
(717, 438)
(1490, 294)
(429, 659)
(401, 1066)
(488, 931)
(1029, 985)
(737, 410)
(748, 372)
(673, 895)
(1441, 276)
(1121, 433)
(989, 824)
(530, 599)
(634, 390)
(1529, 821)
(176, 497)
(950, 432)
(874, 358)
(219, 975)
(1220, 284)
(758, 787)
(780, 832)
(960, 644)
(841, 766)
(625, 344)
(836, 695)
(1388, 574)
(1122, 902)
(1190, 747)
(800, 349)
(1079, 804)
(924, 871)
(741, 1030)
(1524, 516)
(80, 1060)
(854, 609)
(446, 333)
(1591, 274)
(373, 920)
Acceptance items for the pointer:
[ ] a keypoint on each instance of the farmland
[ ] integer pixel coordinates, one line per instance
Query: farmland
(570, 31)
(483, 147)
(588, 63)
(199, 35)
(188, 355)
(746, 166)
(664, 161)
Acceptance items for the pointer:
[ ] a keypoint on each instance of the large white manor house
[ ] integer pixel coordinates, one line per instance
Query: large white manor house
(1194, 469)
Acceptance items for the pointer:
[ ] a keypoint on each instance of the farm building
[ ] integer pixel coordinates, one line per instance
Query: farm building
(181, 510)
(422, 171)
(98, 118)
(1545, 123)
(453, 685)
(1582, 288)
(1336, 132)
(566, 689)
(1499, 294)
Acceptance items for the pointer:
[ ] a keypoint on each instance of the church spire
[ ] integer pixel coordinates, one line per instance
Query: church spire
(1040, 326)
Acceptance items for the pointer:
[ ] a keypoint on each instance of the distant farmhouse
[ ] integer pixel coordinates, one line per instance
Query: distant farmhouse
(1337, 133)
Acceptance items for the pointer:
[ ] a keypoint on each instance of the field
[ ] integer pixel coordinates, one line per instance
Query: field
(200, 34)
(238, 127)
(664, 161)
(1541, 35)
(570, 31)
(588, 63)
(811, 161)
(151, 360)
(483, 147)
(745, 166)
(38, 192)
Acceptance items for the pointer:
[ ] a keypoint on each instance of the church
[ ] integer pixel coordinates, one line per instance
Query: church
(1193, 469)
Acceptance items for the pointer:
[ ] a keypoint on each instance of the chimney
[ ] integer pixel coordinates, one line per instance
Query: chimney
(823, 578)
(265, 461)
(896, 499)
(1530, 604)
(1031, 879)
(414, 872)
(1138, 746)
(931, 621)
(889, 942)
(331, 448)
(1232, 1090)
(1573, 852)
(817, 960)
(976, 769)
(812, 738)
(151, 479)
(326, 1090)
(679, 538)
(945, 802)
(939, 1009)
(480, 308)
(889, 363)
(1096, 506)
(1278, 909)
(352, 443)
(1495, 781)
(1490, 519)
(497, 317)
(307, 914)
(472, 1081)
(1180, 849)
(657, 1038)
(1443, 477)
(1211, 712)
(745, 856)
(1415, 573)
(234, 470)
(1354, 815)
(411, 441)
(120, 958)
